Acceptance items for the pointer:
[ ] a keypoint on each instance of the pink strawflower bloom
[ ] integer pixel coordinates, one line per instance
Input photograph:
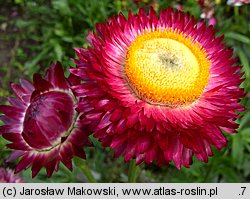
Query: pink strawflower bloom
(42, 123)
(237, 2)
(207, 11)
(212, 21)
(179, 6)
(158, 88)
(8, 176)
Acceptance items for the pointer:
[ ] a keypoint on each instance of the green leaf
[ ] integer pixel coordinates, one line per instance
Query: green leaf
(22, 23)
(248, 147)
(245, 121)
(67, 39)
(237, 149)
(58, 51)
(244, 61)
(230, 174)
(62, 6)
(30, 66)
(3, 18)
(19, 1)
(246, 167)
(237, 36)
(245, 134)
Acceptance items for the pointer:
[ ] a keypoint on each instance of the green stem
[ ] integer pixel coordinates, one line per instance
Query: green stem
(236, 11)
(82, 164)
(132, 171)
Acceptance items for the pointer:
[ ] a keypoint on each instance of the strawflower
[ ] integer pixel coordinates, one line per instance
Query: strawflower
(42, 124)
(158, 88)
(207, 9)
(237, 2)
(7, 176)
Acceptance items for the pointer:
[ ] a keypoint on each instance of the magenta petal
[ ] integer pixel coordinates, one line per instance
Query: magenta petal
(66, 153)
(78, 151)
(116, 115)
(151, 154)
(8, 121)
(20, 145)
(55, 76)
(16, 103)
(121, 126)
(186, 157)
(132, 119)
(118, 141)
(20, 92)
(144, 142)
(104, 121)
(51, 166)
(38, 163)
(26, 85)
(177, 157)
(24, 163)
(140, 158)
(131, 148)
(74, 80)
(41, 84)
(67, 163)
(11, 111)
(14, 155)
(10, 129)
(13, 137)
(119, 151)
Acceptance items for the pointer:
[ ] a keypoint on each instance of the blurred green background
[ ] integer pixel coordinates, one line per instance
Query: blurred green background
(34, 33)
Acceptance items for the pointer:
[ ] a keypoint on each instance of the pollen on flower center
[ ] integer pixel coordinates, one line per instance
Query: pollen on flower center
(47, 119)
(167, 68)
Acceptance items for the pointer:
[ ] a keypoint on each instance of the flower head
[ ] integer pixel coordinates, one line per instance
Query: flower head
(207, 8)
(8, 176)
(42, 122)
(237, 2)
(158, 88)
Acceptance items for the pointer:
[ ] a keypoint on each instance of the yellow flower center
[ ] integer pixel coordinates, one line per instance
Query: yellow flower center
(167, 68)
